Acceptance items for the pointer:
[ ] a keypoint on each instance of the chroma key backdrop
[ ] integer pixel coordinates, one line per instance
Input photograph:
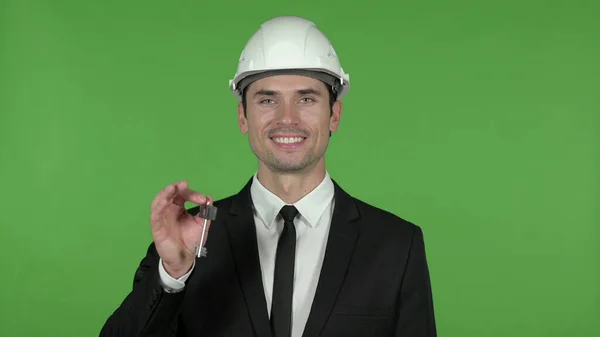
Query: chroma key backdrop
(476, 120)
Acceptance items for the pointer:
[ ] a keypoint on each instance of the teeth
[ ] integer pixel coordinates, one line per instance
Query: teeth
(287, 140)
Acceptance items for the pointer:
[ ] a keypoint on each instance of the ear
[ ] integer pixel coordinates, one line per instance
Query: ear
(336, 116)
(242, 121)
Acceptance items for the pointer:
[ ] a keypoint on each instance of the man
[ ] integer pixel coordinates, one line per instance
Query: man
(292, 254)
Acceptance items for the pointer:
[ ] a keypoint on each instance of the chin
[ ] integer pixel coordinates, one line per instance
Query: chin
(292, 166)
(288, 169)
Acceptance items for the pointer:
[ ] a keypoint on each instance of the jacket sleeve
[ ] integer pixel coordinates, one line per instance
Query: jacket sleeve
(148, 310)
(415, 316)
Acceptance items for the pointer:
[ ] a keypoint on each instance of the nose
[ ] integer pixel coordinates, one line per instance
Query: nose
(288, 114)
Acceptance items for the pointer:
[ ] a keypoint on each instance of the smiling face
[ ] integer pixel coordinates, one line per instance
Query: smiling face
(288, 119)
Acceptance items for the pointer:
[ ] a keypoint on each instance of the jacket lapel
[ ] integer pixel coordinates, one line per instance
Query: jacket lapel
(340, 246)
(242, 235)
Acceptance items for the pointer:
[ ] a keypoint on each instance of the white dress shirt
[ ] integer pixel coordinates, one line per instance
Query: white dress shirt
(312, 227)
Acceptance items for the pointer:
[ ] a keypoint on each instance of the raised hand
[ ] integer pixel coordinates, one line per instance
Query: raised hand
(176, 233)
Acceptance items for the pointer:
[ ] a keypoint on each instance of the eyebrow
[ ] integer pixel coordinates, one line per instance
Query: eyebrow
(308, 91)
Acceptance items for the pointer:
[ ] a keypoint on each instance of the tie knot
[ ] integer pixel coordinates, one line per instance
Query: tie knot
(288, 213)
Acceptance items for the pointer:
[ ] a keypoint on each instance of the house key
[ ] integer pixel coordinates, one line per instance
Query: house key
(207, 212)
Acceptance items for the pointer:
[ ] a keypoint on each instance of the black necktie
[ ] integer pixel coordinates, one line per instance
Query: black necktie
(283, 281)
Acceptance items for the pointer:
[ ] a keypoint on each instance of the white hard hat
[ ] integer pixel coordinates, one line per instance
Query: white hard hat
(289, 45)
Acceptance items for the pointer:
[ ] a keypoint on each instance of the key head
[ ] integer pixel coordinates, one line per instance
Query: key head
(208, 212)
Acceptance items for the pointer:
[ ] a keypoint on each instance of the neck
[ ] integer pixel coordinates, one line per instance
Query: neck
(291, 187)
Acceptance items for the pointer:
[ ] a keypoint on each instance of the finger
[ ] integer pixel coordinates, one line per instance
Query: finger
(189, 195)
(160, 212)
(163, 200)
(166, 192)
(180, 188)
(181, 185)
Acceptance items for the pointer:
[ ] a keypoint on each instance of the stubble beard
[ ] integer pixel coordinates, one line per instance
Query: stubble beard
(285, 166)
(278, 165)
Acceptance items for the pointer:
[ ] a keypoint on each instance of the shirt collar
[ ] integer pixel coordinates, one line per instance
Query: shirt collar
(311, 206)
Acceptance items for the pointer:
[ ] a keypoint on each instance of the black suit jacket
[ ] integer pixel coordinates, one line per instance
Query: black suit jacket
(374, 281)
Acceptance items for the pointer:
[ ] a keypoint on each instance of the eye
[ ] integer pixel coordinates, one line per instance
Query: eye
(307, 100)
(267, 101)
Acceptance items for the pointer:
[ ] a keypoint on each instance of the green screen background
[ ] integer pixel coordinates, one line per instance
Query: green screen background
(476, 120)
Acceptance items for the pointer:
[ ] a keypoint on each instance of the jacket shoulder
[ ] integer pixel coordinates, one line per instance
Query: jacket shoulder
(383, 219)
